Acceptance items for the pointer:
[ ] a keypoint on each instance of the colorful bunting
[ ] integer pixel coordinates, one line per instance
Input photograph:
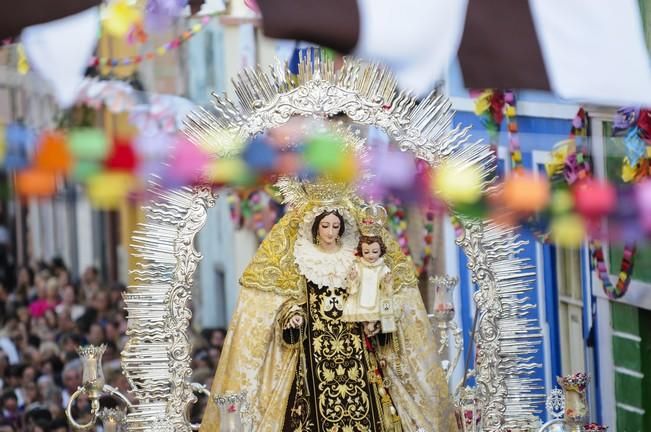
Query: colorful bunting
(458, 185)
(119, 16)
(52, 154)
(108, 190)
(88, 144)
(35, 183)
(159, 51)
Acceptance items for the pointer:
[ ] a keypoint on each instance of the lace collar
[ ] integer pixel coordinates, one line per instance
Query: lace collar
(378, 263)
(325, 268)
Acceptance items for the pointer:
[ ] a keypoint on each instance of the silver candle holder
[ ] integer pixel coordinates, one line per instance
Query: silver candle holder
(442, 319)
(113, 419)
(234, 412)
(94, 386)
(568, 406)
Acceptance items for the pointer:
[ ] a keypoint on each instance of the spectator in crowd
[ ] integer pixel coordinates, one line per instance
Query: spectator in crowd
(10, 406)
(12, 384)
(4, 364)
(24, 286)
(70, 342)
(215, 337)
(7, 347)
(214, 353)
(59, 425)
(38, 420)
(47, 292)
(95, 334)
(69, 303)
(71, 381)
(89, 283)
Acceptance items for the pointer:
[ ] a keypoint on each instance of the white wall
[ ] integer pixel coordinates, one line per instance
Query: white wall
(226, 252)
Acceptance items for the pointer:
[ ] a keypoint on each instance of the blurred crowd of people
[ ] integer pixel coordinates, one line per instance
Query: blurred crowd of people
(44, 317)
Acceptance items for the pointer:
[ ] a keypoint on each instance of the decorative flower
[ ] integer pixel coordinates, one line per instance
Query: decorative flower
(577, 381)
(635, 146)
(593, 198)
(159, 14)
(625, 118)
(571, 169)
(137, 34)
(253, 5)
(594, 427)
(644, 125)
(524, 192)
(120, 16)
(497, 106)
(457, 184)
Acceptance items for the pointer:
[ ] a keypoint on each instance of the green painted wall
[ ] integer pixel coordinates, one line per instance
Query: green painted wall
(632, 360)
(645, 352)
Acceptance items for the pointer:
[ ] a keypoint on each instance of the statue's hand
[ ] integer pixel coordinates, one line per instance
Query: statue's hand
(294, 322)
(372, 328)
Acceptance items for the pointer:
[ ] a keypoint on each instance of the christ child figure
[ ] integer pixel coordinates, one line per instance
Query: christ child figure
(369, 285)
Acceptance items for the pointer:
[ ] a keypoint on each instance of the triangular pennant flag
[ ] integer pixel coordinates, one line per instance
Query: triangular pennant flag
(60, 50)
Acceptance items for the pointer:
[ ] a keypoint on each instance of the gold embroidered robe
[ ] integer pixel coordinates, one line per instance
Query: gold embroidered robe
(257, 359)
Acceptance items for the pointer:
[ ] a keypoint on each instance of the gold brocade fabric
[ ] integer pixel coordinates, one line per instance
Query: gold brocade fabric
(273, 267)
(339, 393)
(256, 359)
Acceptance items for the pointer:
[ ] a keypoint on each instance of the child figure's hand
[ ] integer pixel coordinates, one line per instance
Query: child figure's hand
(388, 280)
(354, 274)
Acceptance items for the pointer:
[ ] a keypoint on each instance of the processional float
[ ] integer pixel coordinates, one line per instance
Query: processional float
(156, 359)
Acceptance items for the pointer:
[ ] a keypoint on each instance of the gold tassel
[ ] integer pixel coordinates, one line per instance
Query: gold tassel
(397, 350)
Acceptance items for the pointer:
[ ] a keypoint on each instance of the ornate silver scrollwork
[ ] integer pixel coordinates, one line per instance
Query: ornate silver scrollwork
(505, 337)
(156, 359)
(555, 403)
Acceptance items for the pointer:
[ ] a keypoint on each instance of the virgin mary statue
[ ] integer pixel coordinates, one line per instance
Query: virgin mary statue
(304, 368)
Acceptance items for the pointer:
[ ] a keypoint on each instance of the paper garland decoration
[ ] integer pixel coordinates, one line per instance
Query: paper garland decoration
(617, 290)
(428, 239)
(119, 17)
(52, 154)
(570, 162)
(35, 183)
(635, 124)
(107, 190)
(158, 52)
(397, 223)
(136, 59)
(19, 141)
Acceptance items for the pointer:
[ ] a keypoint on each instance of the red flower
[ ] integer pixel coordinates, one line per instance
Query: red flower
(122, 157)
(644, 124)
(497, 106)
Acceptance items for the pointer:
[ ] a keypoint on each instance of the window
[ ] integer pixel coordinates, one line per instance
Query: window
(645, 12)
(570, 313)
(615, 150)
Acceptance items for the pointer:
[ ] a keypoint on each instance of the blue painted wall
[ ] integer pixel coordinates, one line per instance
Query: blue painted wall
(535, 134)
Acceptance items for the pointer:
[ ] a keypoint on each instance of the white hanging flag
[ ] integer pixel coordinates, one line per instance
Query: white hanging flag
(594, 50)
(60, 51)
